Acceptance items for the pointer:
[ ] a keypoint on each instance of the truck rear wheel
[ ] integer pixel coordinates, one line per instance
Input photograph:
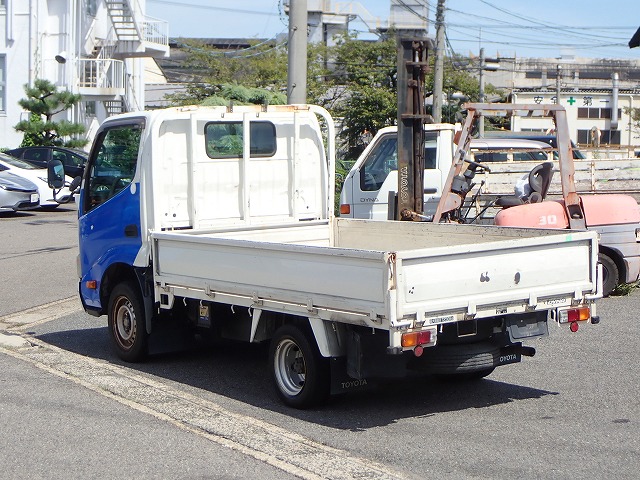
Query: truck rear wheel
(300, 374)
(127, 325)
(610, 274)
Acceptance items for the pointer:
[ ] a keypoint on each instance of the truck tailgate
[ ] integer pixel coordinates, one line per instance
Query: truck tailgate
(484, 280)
(480, 271)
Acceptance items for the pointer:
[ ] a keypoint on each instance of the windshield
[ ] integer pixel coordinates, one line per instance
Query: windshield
(383, 158)
(14, 162)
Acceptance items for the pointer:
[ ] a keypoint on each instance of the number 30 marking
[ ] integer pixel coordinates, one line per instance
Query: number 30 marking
(548, 220)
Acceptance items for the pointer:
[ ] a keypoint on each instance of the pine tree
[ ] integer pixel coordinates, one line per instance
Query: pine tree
(44, 101)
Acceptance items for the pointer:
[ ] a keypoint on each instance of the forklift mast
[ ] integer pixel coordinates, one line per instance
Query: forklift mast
(412, 67)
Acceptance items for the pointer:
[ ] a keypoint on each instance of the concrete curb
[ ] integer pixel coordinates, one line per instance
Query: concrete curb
(13, 341)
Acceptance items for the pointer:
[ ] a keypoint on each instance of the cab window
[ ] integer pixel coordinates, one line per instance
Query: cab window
(530, 155)
(113, 166)
(68, 159)
(226, 139)
(490, 156)
(383, 158)
(39, 154)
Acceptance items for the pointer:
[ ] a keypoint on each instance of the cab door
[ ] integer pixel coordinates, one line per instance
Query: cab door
(109, 207)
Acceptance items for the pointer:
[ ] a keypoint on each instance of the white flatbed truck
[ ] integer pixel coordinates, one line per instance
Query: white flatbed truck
(195, 212)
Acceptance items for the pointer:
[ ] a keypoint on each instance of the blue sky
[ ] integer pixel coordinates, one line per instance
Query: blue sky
(540, 28)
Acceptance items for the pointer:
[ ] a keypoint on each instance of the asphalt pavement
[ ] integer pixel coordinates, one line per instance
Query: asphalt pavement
(55, 428)
(70, 409)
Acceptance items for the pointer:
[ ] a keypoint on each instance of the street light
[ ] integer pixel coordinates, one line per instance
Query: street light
(61, 57)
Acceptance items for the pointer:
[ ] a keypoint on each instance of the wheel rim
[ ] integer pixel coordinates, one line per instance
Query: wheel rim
(289, 367)
(124, 324)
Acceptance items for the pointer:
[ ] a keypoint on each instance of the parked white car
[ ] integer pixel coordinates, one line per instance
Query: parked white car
(39, 177)
(17, 193)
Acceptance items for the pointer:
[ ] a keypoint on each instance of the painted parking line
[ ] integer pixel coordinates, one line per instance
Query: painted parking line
(25, 319)
(278, 447)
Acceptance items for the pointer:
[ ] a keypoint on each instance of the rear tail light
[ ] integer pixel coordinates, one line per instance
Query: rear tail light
(345, 209)
(574, 315)
(578, 314)
(424, 338)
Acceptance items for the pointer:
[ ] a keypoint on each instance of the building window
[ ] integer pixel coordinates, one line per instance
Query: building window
(596, 113)
(92, 7)
(607, 137)
(3, 76)
(90, 109)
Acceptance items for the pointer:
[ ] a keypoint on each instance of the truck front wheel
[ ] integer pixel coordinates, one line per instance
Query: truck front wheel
(127, 326)
(300, 374)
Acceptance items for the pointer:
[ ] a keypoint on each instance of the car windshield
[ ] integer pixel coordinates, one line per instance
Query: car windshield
(14, 162)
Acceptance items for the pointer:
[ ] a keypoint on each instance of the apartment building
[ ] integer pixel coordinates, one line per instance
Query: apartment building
(96, 48)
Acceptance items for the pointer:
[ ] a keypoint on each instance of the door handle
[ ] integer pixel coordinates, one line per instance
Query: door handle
(131, 230)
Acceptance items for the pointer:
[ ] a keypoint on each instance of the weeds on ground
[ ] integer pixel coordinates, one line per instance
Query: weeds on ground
(625, 289)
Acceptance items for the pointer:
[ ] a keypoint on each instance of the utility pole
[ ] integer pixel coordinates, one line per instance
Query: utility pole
(438, 74)
(558, 83)
(297, 71)
(481, 96)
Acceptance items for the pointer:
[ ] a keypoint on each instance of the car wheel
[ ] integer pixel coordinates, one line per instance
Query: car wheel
(300, 374)
(127, 325)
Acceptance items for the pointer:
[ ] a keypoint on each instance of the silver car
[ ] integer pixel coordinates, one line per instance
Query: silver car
(17, 193)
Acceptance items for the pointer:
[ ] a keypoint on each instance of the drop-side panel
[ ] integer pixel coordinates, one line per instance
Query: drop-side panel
(320, 277)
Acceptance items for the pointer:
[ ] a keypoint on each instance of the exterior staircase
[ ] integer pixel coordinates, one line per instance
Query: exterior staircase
(102, 74)
(123, 20)
(138, 35)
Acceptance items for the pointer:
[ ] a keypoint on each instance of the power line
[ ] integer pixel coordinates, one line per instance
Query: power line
(524, 36)
(209, 7)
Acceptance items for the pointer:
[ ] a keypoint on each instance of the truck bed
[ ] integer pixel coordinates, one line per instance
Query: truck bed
(378, 273)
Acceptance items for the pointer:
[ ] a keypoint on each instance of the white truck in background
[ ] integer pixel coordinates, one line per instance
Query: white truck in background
(221, 219)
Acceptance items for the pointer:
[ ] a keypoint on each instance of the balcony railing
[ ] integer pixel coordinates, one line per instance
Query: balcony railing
(155, 30)
(103, 76)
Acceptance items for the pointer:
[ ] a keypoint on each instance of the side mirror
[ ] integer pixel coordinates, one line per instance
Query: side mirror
(75, 183)
(55, 174)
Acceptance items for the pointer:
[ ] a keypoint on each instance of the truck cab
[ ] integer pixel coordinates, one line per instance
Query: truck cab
(374, 176)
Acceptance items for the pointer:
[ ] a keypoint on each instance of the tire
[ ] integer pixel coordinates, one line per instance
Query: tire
(127, 324)
(459, 359)
(300, 374)
(610, 274)
(466, 377)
